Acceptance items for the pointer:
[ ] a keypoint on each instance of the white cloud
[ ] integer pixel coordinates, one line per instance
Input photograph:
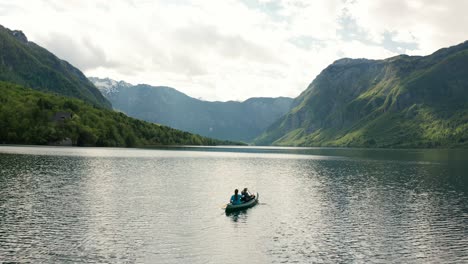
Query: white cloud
(433, 24)
(232, 50)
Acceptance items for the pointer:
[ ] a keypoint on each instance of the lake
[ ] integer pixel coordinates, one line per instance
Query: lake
(317, 205)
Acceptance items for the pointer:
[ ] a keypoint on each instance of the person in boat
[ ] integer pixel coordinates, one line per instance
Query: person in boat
(246, 196)
(236, 198)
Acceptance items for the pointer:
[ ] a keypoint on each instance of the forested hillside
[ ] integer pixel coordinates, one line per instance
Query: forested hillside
(32, 117)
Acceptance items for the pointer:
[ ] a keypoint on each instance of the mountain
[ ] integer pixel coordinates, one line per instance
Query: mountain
(31, 117)
(403, 101)
(25, 63)
(238, 121)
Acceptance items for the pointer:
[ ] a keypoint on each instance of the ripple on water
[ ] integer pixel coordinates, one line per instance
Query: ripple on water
(164, 206)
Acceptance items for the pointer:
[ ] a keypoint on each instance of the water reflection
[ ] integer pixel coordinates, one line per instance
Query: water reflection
(237, 216)
(150, 206)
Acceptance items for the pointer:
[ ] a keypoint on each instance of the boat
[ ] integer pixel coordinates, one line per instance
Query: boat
(233, 208)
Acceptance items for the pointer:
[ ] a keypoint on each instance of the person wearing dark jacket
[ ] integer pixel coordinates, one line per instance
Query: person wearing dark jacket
(246, 196)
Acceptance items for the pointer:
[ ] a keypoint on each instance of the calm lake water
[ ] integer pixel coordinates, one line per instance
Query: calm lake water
(317, 205)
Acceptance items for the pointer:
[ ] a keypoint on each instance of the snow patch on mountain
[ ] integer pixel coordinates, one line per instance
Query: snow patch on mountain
(108, 86)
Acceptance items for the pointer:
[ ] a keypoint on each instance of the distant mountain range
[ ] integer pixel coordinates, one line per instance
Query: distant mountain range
(403, 101)
(238, 121)
(27, 64)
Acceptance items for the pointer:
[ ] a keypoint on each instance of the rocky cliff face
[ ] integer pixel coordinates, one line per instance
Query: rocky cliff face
(397, 102)
(19, 35)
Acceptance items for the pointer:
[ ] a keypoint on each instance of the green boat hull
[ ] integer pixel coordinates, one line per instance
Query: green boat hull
(238, 207)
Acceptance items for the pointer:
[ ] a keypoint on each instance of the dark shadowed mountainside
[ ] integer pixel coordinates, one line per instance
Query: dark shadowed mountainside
(25, 63)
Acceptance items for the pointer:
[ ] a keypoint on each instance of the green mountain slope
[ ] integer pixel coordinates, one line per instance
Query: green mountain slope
(25, 63)
(239, 121)
(32, 117)
(404, 101)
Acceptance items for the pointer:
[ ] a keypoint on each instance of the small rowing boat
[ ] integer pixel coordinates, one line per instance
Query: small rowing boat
(232, 208)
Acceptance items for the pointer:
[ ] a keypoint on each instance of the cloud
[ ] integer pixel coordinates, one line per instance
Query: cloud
(9, 9)
(232, 50)
(84, 54)
(349, 30)
(208, 39)
(391, 43)
(429, 24)
(307, 42)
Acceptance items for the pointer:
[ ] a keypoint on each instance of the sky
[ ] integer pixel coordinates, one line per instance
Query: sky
(232, 49)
